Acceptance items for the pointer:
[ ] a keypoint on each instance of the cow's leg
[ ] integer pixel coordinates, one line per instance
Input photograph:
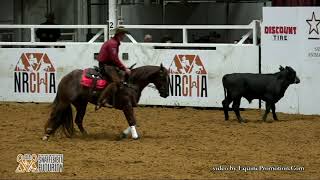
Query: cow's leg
(273, 108)
(225, 103)
(235, 106)
(268, 106)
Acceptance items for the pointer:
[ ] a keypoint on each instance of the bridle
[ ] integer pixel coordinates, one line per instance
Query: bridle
(162, 77)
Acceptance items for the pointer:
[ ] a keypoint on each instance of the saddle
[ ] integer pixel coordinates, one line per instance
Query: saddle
(92, 78)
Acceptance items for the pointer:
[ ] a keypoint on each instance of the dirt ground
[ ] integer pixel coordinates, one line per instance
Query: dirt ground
(176, 143)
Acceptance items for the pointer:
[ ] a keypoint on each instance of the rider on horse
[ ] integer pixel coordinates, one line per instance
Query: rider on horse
(109, 64)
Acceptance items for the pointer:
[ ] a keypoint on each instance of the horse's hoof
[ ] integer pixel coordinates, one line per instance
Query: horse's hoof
(45, 138)
(122, 136)
(97, 108)
(84, 133)
(137, 138)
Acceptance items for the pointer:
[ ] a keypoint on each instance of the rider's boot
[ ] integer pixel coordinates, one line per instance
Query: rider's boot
(105, 95)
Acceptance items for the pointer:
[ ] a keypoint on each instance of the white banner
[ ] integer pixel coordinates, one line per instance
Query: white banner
(290, 37)
(195, 75)
(33, 74)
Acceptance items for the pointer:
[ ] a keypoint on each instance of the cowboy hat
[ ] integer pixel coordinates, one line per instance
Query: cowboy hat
(120, 29)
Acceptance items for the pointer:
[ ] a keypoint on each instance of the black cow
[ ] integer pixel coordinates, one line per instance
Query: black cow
(268, 87)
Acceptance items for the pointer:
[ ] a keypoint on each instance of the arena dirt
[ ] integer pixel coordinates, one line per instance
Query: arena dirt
(176, 143)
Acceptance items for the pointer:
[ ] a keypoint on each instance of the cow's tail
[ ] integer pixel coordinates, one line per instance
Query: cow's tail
(225, 103)
(224, 87)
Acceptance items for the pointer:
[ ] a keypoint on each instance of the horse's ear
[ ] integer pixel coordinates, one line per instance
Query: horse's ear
(281, 68)
(161, 67)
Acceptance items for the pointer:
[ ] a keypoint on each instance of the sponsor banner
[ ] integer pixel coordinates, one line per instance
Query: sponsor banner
(188, 76)
(33, 74)
(311, 34)
(280, 33)
(195, 75)
(291, 37)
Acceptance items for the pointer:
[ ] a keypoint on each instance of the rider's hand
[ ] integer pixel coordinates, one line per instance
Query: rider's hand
(128, 71)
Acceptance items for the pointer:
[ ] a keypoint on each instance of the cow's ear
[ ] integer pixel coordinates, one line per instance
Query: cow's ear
(281, 68)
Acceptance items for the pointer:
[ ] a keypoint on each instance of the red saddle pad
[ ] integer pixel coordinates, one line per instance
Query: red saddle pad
(88, 79)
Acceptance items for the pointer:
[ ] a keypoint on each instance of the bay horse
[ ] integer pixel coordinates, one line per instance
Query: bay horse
(70, 91)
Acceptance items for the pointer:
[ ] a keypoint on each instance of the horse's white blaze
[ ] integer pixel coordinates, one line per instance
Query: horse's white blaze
(127, 131)
(134, 132)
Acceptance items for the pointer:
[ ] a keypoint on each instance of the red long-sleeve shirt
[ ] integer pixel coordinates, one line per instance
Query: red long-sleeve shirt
(109, 53)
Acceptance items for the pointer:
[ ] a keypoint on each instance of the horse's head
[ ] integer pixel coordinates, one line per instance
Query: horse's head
(161, 81)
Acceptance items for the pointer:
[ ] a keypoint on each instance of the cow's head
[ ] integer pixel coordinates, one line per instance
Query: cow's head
(290, 74)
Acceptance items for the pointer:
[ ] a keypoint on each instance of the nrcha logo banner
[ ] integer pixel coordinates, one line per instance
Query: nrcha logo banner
(188, 76)
(34, 73)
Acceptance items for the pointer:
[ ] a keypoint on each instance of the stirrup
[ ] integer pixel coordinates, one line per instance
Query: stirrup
(107, 105)
(124, 83)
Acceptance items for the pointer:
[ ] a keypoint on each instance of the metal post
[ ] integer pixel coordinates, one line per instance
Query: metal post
(254, 35)
(164, 12)
(48, 6)
(227, 20)
(184, 36)
(112, 16)
(89, 18)
(33, 39)
(105, 34)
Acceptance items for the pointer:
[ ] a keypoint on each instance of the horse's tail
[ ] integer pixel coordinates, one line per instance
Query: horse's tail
(61, 114)
(67, 121)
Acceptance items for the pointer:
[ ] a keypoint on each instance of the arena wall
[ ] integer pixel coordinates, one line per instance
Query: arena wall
(291, 39)
(27, 73)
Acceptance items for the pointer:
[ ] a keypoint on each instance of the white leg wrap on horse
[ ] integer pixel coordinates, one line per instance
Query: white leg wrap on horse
(134, 132)
(127, 131)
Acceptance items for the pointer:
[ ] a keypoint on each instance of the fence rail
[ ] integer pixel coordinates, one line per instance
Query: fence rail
(104, 30)
(252, 30)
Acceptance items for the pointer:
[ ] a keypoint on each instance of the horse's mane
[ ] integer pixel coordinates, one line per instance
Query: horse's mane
(143, 72)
